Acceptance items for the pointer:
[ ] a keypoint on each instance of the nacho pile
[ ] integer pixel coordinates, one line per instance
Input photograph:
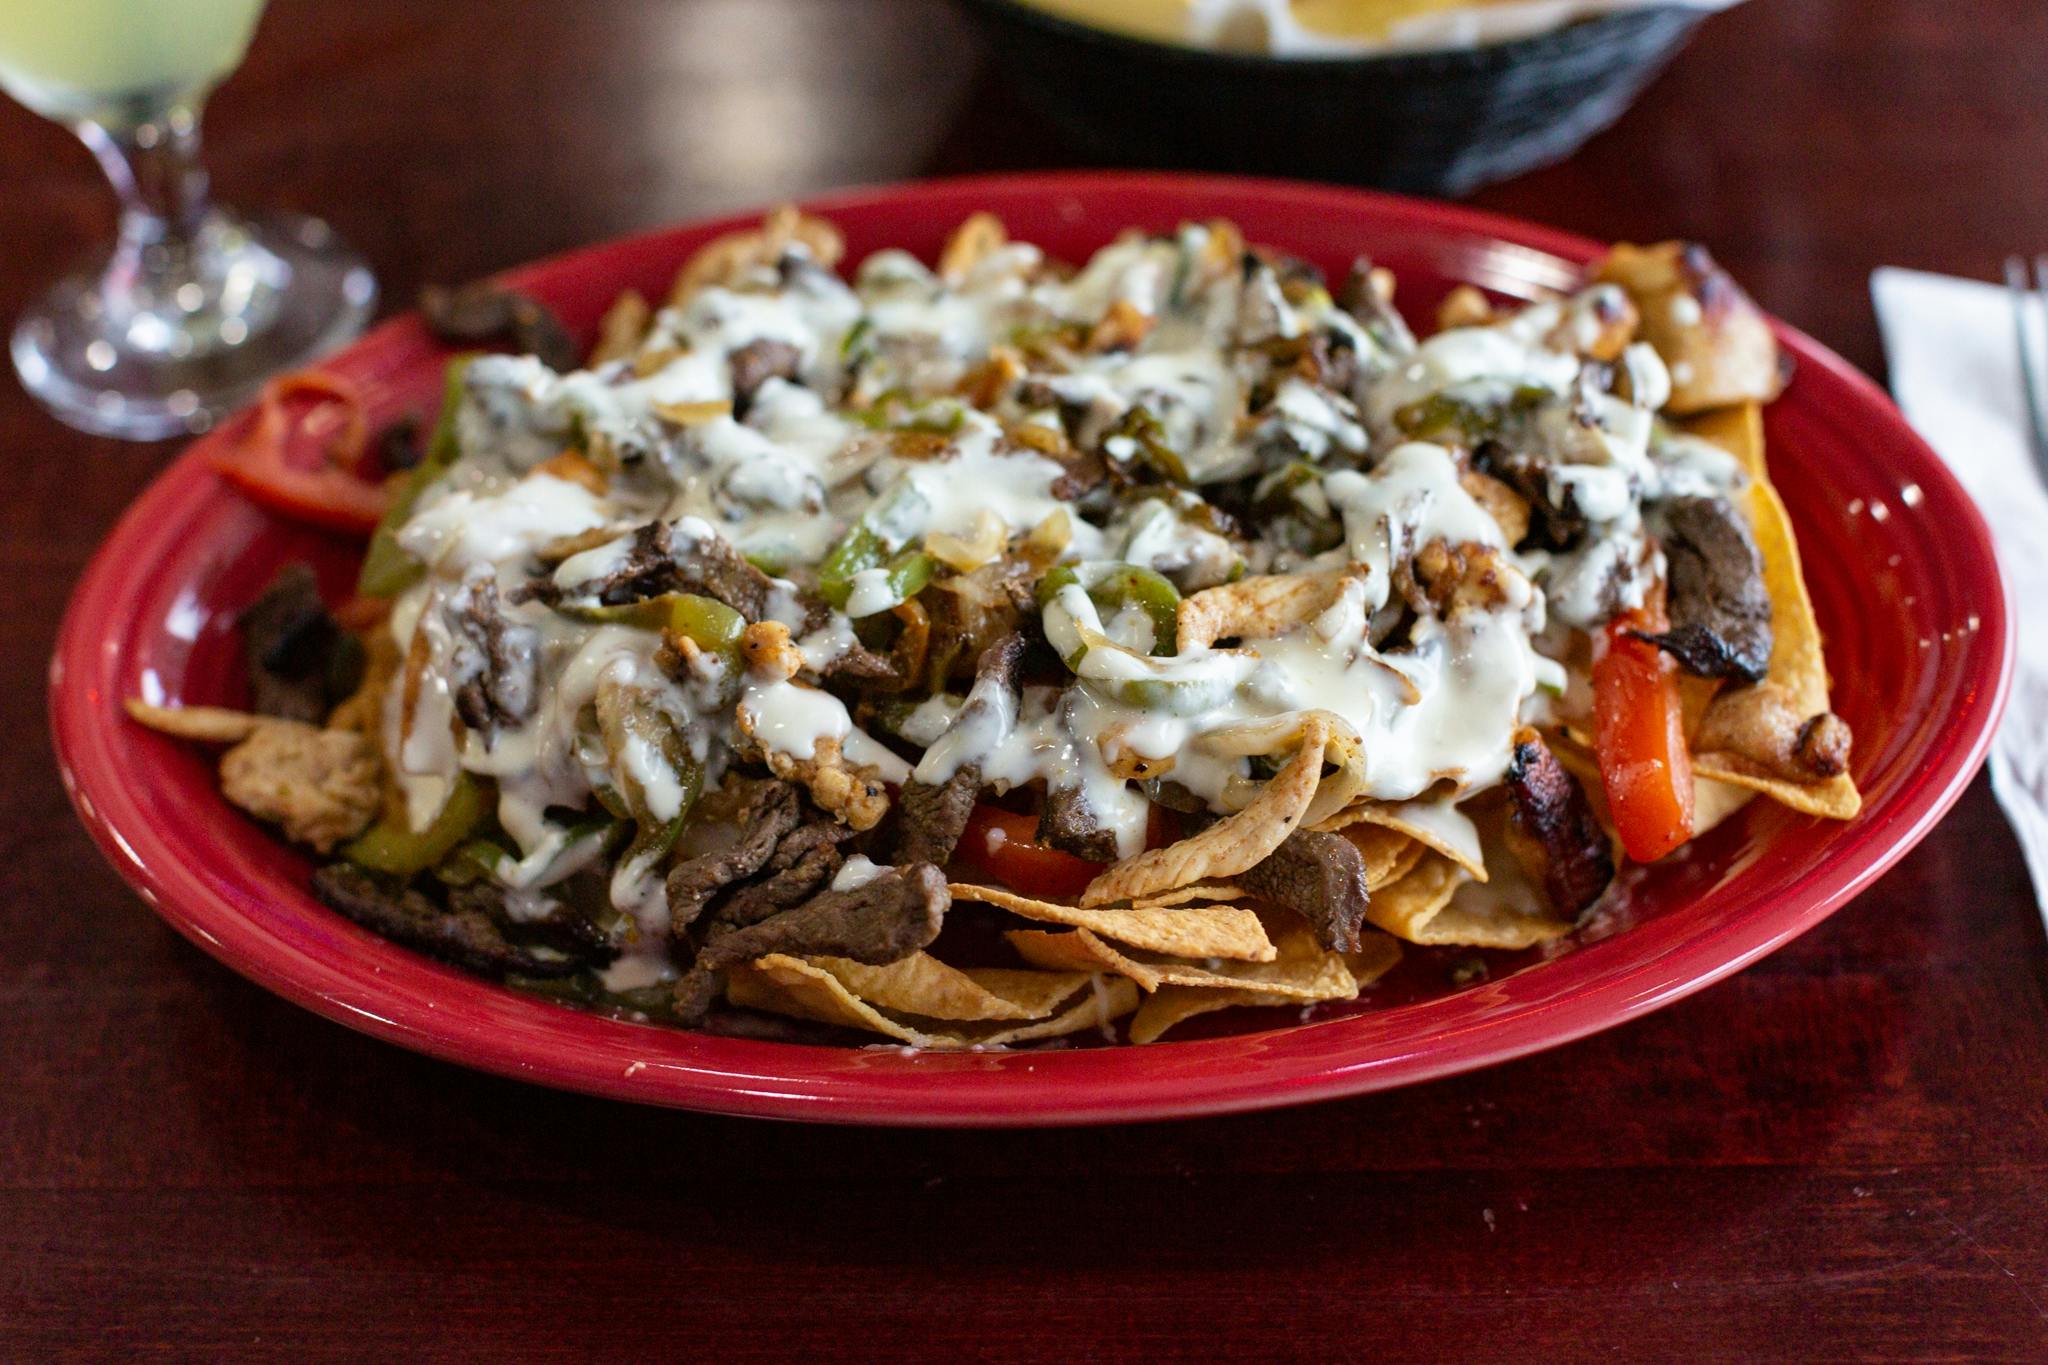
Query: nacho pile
(993, 652)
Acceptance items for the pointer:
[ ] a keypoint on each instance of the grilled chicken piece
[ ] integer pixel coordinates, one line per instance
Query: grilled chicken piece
(1552, 832)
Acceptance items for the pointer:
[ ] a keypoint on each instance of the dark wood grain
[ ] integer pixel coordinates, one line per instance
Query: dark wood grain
(1841, 1153)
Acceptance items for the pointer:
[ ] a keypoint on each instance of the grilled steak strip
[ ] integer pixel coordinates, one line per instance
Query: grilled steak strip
(1720, 608)
(1320, 877)
(484, 314)
(881, 921)
(757, 362)
(803, 863)
(501, 690)
(300, 661)
(465, 935)
(767, 811)
(930, 819)
(1068, 823)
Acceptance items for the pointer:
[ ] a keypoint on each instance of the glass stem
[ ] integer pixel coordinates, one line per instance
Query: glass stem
(154, 165)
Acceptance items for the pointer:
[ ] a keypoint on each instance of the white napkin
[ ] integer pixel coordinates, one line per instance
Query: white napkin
(1955, 371)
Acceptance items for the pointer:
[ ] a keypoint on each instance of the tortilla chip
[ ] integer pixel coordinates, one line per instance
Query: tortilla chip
(1301, 969)
(979, 236)
(1170, 1005)
(1424, 907)
(206, 724)
(786, 985)
(921, 984)
(1436, 825)
(1339, 790)
(1188, 895)
(1185, 931)
(1403, 865)
(621, 330)
(1173, 1005)
(1376, 956)
(1714, 801)
(1797, 681)
(727, 259)
(1232, 844)
(1382, 849)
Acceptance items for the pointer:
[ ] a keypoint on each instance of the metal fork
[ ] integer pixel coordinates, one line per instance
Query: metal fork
(2027, 300)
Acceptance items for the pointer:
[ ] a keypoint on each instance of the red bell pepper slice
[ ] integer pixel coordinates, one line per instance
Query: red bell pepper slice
(1002, 846)
(1639, 739)
(341, 490)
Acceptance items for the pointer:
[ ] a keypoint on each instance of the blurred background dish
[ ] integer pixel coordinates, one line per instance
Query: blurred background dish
(1443, 121)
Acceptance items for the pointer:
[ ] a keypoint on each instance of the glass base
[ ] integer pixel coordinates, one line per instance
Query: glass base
(265, 296)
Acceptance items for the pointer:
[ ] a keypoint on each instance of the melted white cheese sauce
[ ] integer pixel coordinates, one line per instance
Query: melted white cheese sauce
(1429, 700)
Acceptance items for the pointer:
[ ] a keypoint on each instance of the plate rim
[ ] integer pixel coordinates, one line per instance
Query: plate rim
(741, 1077)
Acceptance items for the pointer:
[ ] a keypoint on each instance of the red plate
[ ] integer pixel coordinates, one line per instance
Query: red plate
(1899, 562)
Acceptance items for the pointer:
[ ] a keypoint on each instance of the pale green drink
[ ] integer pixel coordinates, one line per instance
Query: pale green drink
(72, 59)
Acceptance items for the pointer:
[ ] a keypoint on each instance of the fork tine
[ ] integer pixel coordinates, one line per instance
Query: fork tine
(2023, 293)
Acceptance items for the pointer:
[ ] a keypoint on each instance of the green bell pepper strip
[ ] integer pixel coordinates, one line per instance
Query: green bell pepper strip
(1171, 696)
(906, 576)
(396, 848)
(864, 549)
(625, 717)
(483, 859)
(1154, 453)
(713, 626)
(1121, 585)
(860, 549)
(387, 569)
(1442, 412)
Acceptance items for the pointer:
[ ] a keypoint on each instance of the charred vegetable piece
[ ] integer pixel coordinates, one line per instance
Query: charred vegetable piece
(300, 661)
(482, 859)
(267, 458)
(861, 548)
(489, 315)
(1320, 877)
(1639, 739)
(387, 569)
(869, 545)
(391, 846)
(1552, 831)
(1720, 607)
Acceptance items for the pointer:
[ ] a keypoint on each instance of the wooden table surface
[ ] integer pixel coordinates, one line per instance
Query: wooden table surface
(1842, 1152)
